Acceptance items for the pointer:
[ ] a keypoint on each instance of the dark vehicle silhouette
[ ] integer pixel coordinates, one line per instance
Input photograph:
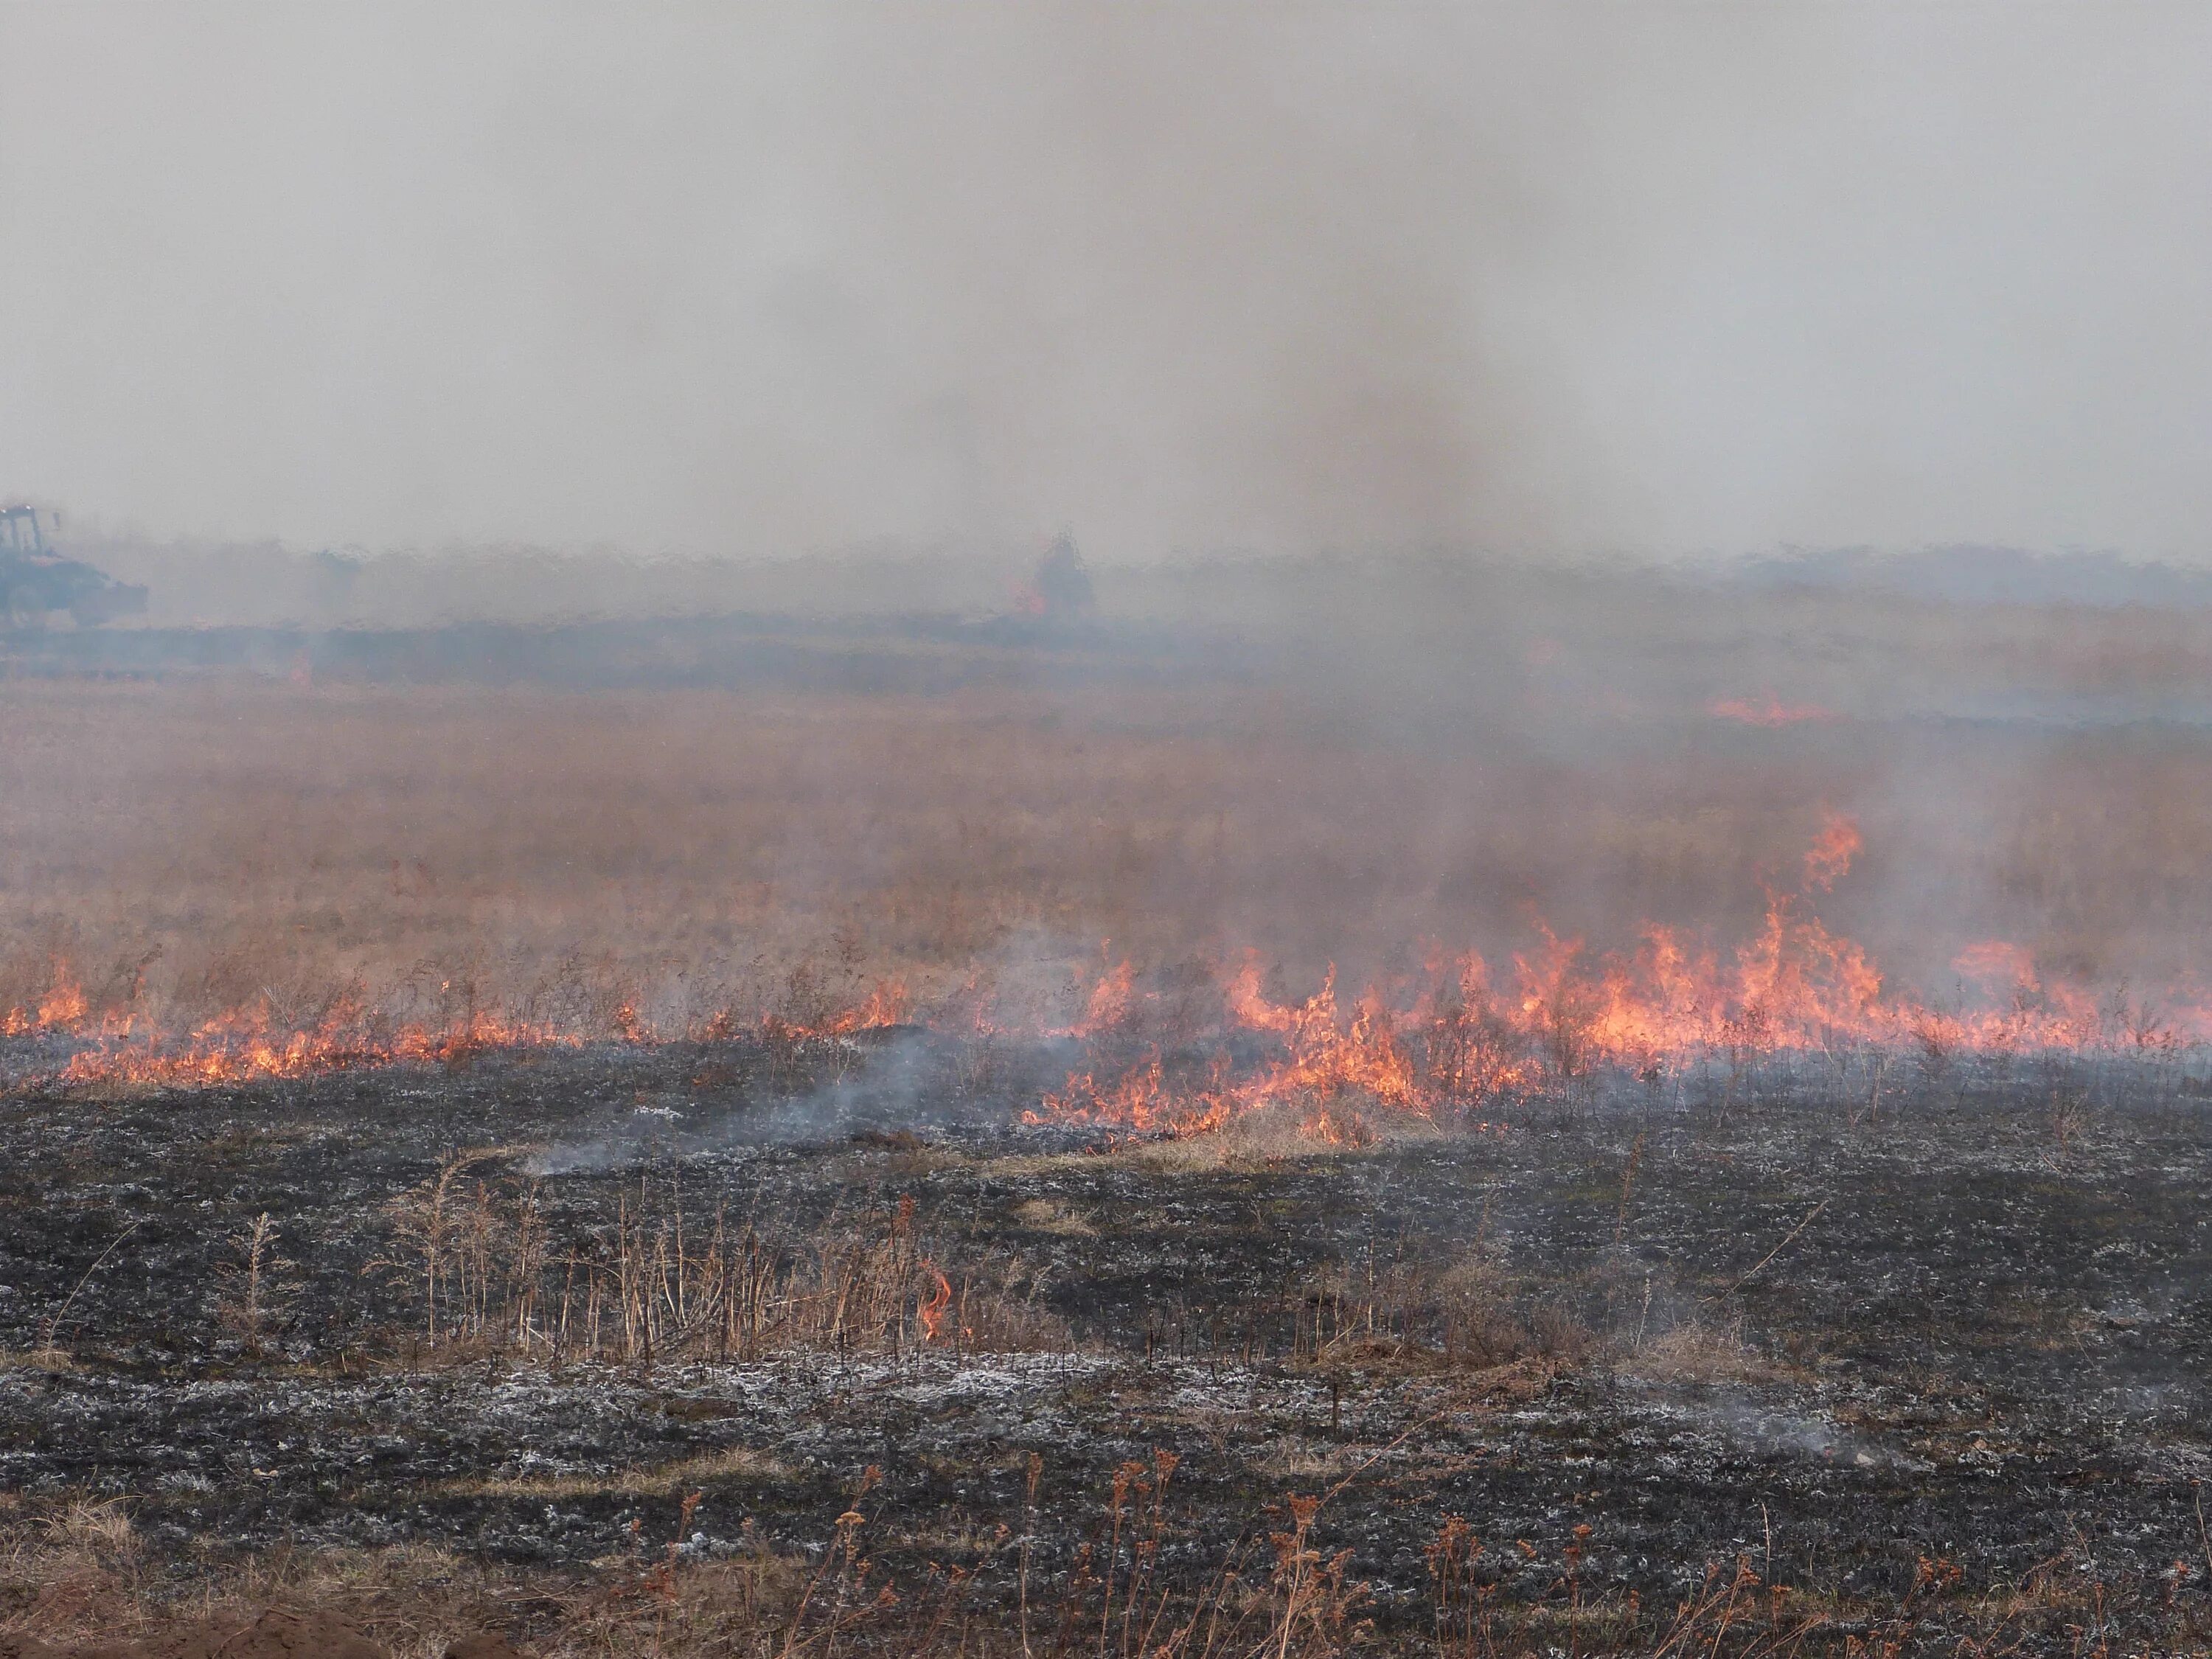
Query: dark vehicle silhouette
(36, 581)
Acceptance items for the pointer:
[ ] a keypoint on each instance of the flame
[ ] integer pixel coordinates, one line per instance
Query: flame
(63, 1007)
(1326, 1058)
(245, 1046)
(1248, 1006)
(931, 1311)
(1110, 1002)
(1794, 986)
(61, 1011)
(1138, 1100)
(889, 1003)
(1832, 850)
(1440, 1049)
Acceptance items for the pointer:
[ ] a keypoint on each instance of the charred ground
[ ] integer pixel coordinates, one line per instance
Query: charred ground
(1935, 1359)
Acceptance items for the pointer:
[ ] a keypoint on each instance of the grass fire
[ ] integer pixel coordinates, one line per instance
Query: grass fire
(1104, 831)
(1117, 1146)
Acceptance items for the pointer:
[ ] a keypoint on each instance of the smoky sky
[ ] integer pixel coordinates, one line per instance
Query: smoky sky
(732, 278)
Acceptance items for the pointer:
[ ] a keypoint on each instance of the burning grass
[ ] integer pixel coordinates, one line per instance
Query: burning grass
(206, 881)
(1473, 1172)
(1168, 1055)
(362, 879)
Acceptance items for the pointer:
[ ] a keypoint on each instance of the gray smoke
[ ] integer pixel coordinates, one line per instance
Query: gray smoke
(729, 278)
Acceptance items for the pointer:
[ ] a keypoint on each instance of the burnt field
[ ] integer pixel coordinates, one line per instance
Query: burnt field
(1932, 1356)
(1627, 1119)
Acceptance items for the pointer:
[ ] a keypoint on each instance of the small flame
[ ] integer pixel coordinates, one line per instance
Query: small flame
(888, 1004)
(60, 1011)
(63, 1007)
(931, 1311)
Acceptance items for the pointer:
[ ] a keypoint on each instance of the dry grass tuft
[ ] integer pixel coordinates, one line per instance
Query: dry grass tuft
(667, 1282)
(1698, 1353)
(43, 1358)
(1050, 1215)
(733, 1463)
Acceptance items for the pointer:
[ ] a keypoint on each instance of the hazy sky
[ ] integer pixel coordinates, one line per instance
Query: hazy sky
(1636, 277)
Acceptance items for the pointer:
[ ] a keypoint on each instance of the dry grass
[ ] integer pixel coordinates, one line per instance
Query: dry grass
(75, 1577)
(667, 1282)
(1047, 1215)
(48, 1358)
(192, 848)
(1464, 1313)
(733, 1463)
(1696, 1353)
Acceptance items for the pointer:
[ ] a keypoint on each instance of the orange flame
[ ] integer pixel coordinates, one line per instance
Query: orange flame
(63, 1007)
(931, 1312)
(61, 1011)
(889, 1004)
(1831, 854)
(1248, 1006)
(1794, 986)
(1440, 1051)
(1110, 1002)
(244, 1047)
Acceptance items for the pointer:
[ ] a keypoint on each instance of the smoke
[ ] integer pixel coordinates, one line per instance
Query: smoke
(894, 1084)
(743, 279)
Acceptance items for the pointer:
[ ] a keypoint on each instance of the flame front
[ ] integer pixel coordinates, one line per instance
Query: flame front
(1436, 1050)
(1794, 987)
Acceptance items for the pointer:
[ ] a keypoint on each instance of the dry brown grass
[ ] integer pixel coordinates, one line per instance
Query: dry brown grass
(192, 847)
(488, 1274)
(732, 1463)
(202, 846)
(1696, 1353)
(1465, 1313)
(47, 1358)
(77, 1579)
(1047, 1215)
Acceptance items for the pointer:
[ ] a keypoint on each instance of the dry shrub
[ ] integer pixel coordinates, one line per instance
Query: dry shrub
(255, 1291)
